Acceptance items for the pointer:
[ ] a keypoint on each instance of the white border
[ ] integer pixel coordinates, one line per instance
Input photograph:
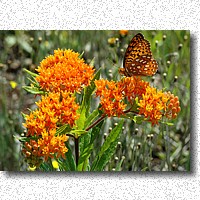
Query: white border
(108, 14)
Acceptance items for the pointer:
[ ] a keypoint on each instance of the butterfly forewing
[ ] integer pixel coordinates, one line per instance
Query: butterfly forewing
(138, 60)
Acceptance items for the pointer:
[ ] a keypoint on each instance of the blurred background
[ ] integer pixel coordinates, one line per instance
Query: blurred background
(141, 147)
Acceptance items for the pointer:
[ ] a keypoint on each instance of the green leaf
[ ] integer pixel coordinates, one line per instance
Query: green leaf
(67, 164)
(168, 123)
(85, 105)
(78, 133)
(91, 117)
(46, 167)
(21, 139)
(30, 73)
(63, 129)
(108, 148)
(135, 105)
(23, 115)
(86, 152)
(81, 55)
(84, 142)
(144, 169)
(25, 139)
(138, 119)
(33, 90)
(34, 82)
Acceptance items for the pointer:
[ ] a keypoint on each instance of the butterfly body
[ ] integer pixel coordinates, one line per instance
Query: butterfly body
(138, 60)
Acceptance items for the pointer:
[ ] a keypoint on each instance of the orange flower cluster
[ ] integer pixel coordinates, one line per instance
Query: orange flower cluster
(173, 106)
(52, 145)
(60, 75)
(53, 108)
(152, 104)
(111, 97)
(112, 94)
(47, 146)
(64, 71)
(133, 87)
(155, 104)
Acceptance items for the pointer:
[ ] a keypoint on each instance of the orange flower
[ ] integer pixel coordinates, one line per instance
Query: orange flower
(152, 104)
(111, 97)
(133, 87)
(42, 125)
(52, 110)
(156, 104)
(61, 106)
(172, 107)
(50, 145)
(112, 94)
(64, 71)
(45, 147)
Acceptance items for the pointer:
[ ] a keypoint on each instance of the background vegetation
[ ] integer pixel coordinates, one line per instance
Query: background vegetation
(141, 147)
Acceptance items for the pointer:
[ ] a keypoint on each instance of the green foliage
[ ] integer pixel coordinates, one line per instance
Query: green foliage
(83, 163)
(85, 104)
(107, 149)
(67, 164)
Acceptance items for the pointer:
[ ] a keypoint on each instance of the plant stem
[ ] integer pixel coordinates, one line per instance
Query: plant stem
(96, 122)
(76, 140)
(102, 117)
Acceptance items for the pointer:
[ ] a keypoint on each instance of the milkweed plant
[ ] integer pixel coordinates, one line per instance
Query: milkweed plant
(67, 85)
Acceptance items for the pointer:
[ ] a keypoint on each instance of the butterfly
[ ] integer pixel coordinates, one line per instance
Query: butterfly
(138, 60)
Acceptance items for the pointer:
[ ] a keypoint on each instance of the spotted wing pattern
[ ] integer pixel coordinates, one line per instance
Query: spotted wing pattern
(138, 60)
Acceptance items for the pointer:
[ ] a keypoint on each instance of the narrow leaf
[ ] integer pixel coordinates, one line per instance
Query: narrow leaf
(34, 82)
(78, 133)
(108, 148)
(83, 160)
(85, 105)
(91, 117)
(63, 129)
(67, 164)
(30, 73)
(33, 90)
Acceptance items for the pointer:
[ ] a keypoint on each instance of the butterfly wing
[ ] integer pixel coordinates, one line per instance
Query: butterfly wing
(138, 60)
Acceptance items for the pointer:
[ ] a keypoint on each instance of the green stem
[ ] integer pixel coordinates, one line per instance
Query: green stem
(103, 116)
(166, 143)
(168, 149)
(76, 140)
(96, 122)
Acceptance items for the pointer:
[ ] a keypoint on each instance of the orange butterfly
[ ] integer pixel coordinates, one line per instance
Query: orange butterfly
(138, 60)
